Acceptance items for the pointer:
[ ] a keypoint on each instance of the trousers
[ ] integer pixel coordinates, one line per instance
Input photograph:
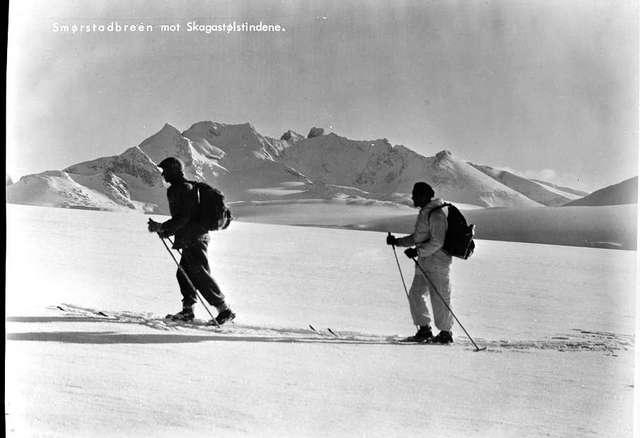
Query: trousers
(437, 267)
(195, 262)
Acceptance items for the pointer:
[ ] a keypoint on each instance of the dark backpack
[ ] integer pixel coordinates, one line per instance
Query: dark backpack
(458, 241)
(213, 213)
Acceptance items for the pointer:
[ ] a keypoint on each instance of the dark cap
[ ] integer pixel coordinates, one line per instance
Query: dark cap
(424, 189)
(171, 163)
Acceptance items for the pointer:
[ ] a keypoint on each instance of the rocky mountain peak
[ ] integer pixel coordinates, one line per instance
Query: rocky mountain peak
(315, 132)
(444, 155)
(291, 136)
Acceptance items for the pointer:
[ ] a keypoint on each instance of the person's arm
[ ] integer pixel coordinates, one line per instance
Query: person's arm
(438, 228)
(405, 241)
(182, 204)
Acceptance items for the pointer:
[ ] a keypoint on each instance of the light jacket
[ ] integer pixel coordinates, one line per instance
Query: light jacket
(430, 231)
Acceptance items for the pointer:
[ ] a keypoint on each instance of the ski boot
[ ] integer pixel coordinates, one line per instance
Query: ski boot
(224, 316)
(185, 315)
(444, 337)
(423, 334)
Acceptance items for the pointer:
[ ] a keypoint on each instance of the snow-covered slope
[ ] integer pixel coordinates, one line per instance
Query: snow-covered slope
(56, 188)
(241, 143)
(454, 179)
(250, 161)
(542, 193)
(234, 158)
(562, 189)
(130, 179)
(384, 171)
(625, 192)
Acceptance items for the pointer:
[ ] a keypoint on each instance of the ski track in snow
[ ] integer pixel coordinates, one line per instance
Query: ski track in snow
(577, 340)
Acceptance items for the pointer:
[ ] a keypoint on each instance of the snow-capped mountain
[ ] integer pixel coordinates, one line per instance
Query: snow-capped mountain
(544, 193)
(248, 166)
(233, 157)
(130, 179)
(564, 189)
(625, 192)
(56, 188)
(249, 162)
(389, 172)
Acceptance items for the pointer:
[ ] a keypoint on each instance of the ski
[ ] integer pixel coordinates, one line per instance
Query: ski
(327, 335)
(125, 317)
(411, 341)
(88, 313)
(331, 332)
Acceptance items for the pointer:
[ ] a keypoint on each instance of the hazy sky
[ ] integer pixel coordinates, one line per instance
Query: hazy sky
(548, 89)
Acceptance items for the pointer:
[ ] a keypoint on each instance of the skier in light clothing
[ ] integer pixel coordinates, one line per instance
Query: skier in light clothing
(428, 238)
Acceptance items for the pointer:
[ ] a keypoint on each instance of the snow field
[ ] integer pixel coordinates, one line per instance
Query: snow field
(272, 389)
(558, 322)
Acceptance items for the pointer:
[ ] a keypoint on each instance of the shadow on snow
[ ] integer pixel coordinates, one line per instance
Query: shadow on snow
(577, 340)
(80, 337)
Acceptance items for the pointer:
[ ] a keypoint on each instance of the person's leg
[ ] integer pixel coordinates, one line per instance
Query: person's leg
(197, 267)
(188, 294)
(439, 276)
(418, 300)
(437, 269)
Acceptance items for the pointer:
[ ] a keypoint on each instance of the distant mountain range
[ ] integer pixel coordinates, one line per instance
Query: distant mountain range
(248, 166)
(625, 192)
(543, 193)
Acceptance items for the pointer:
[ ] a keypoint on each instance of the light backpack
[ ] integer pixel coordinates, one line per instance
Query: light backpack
(213, 213)
(458, 241)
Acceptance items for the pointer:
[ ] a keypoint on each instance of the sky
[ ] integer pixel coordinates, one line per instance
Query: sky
(546, 89)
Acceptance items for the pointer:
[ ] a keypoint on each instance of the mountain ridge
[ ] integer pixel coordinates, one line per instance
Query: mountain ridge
(549, 195)
(248, 166)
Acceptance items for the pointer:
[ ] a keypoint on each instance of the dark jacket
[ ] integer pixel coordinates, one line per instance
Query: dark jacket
(183, 206)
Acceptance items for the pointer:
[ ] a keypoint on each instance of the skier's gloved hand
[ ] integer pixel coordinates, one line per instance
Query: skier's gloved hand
(412, 253)
(153, 226)
(391, 240)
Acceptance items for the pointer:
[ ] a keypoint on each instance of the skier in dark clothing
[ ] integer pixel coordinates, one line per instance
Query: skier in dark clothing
(192, 239)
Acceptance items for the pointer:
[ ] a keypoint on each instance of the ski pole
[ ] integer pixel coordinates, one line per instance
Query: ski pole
(187, 278)
(192, 286)
(401, 276)
(433, 286)
(400, 269)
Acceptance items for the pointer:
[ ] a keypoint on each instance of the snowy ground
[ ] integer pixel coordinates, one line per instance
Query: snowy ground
(558, 322)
